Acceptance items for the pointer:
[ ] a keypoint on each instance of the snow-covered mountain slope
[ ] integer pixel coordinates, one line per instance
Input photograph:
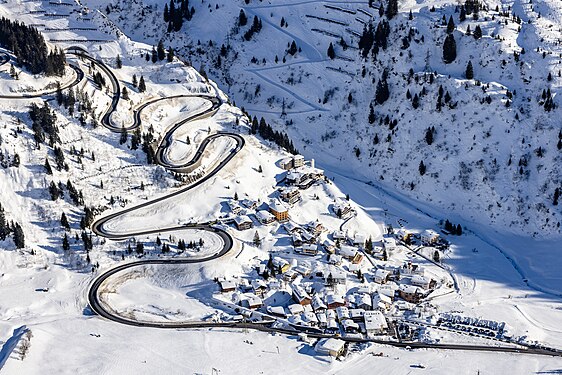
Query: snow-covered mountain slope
(494, 157)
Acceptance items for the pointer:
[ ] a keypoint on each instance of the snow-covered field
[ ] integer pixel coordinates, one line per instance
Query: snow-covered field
(501, 276)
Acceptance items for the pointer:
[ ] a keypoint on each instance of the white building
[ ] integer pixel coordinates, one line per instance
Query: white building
(375, 322)
(332, 347)
(429, 237)
(265, 217)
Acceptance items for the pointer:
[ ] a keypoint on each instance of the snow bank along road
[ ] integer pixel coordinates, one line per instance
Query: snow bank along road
(98, 228)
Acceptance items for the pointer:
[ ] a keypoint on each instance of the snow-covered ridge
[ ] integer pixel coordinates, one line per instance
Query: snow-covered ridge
(501, 164)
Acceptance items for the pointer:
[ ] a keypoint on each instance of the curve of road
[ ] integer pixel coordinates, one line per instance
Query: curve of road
(98, 227)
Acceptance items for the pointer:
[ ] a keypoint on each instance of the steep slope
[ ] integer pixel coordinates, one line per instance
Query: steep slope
(493, 158)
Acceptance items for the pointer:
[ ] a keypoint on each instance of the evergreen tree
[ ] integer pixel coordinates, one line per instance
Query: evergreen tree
(459, 230)
(416, 101)
(292, 49)
(372, 117)
(54, 191)
(436, 257)
(154, 55)
(135, 83)
(125, 93)
(118, 62)
(449, 49)
(242, 19)
(331, 52)
(47, 166)
(4, 229)
(65, 243)
(170, 55)
(462, 15)
(429, 136)
(382, 93)
(469, 74)
(422, 168)
(477, 32)
(160, 51)
(124, 136)
(64, 221)
(556, 196)
(392, 9)
(166, 13)
(450, 25)
(142, 85)
(257, 239)
(19, 237)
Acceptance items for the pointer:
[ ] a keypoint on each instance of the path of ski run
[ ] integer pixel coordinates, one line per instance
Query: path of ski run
(99, 228)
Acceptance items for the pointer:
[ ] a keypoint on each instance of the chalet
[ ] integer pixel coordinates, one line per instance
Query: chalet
(329, 246)
(359, 239)
(429, 237)
(308, 249)
(281, 264)
(243, 222)
(381, 301)
(337, 276)
(290, 275)
(335, 259)
(298, 161)
(277, 311)
(330, 346)
(315, 228)
(375, 323)
(259, 286)
(309, 318)
(234, 207)
(410, 293)
(303, 270)
(297, 239)
(265, 217)
(404, 235)
(291, 195)
(356, 315)
(381, 276)
(295, 309)
(342, 313)
(351, 253)
(342, 209)
(333, 301)
(349, 325)
(363, 301)
(300, 295)
(251, 301)
(339, 235)
(332, 325)
(292, 228)
(322, 320)
(317, 304)
(227, 286)
(249, 204)
(389, 242)
(388, 290)
(279, 210)
(286, 163)
(308, 238)
(423, 282)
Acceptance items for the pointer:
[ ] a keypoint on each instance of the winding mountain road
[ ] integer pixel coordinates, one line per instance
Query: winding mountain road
(100, 225)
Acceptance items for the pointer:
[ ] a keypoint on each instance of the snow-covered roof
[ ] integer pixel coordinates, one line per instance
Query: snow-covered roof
(264, 215)
(277, 206)
(374, 320)
(348, 251)
(317, 303)
(330, 345)
(295, 309)
(381, 273)
(239, 220)
(332, 298)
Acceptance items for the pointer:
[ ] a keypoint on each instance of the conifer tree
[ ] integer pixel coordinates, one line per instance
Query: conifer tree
(392, 9)
(469, 74)
(19, 237)
(142, 85)
(48, 168)
(118, 62)
(477, 32)
(65, 243)
(422, 168)
(242, 19)
(331, 52)
(64, 221)
(449, 49)
(450, 25)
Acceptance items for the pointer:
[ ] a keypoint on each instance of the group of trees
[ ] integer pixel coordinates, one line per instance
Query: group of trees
(43, 123)
(176, 12)
(266, 131)
(372, 39)
(452, 228)
(11, 228)
(382, 93)
(254, 29)
(30, 49)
